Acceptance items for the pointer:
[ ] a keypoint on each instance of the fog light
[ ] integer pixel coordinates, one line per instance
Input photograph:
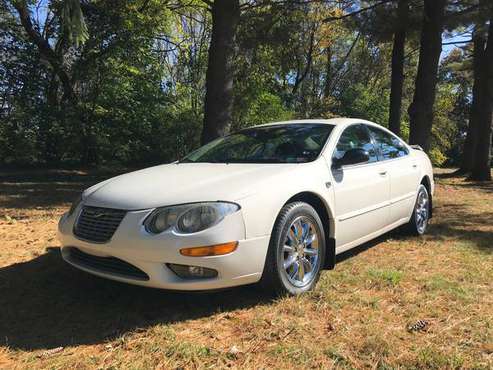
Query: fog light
(192, 272)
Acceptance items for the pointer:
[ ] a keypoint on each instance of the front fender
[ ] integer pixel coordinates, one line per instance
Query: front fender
(260, 209)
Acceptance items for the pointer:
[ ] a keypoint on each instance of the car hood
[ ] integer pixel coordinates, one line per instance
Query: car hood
(179, 183)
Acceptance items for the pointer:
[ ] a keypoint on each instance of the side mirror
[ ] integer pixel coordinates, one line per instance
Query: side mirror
(352, 156)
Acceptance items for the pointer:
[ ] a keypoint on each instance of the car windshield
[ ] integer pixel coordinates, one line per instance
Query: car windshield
(284, 143)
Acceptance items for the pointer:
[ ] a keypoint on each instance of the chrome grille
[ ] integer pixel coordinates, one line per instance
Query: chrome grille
(98, 225)
(109, 265)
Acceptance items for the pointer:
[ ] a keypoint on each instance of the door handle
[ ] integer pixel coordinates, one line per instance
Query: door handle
(383, 173)
(415, 165)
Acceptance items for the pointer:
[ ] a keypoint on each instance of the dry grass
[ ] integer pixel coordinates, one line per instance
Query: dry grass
(357, 317)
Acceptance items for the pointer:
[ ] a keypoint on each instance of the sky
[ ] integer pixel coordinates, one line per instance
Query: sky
(446, 49)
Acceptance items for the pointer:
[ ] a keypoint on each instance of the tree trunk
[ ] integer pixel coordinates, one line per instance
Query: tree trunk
(328, 71)
(301, 75)
(421, 109)
(219, 78)
(470, 144)
(481, 170)
(397, 79)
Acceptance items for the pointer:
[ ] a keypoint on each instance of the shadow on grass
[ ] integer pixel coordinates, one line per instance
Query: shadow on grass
(34, 194)
(486, 186)
(451, 222)
(482, 186)
(457, 222)
(448, 174)
(482, 240)
(45, 188)
(46, 303)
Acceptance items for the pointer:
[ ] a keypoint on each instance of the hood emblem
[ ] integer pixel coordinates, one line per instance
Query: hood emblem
(96, 214)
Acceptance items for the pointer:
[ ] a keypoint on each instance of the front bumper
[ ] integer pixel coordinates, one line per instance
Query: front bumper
(150, 253)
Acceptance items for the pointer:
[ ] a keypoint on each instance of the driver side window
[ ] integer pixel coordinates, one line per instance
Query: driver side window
(355, 137)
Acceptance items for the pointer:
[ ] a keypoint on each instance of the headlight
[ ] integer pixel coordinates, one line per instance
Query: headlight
(74, 205)
(188, 218)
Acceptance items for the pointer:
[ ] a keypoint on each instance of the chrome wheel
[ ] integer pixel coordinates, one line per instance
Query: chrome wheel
(300, 252)
(421, 211)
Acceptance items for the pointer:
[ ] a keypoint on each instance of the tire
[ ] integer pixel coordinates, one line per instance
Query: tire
(297, 221)
(418, 224)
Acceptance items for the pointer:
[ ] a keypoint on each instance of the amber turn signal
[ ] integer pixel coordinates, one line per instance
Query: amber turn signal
(210, 250)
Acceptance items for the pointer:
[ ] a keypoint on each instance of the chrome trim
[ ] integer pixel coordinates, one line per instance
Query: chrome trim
(76, 223)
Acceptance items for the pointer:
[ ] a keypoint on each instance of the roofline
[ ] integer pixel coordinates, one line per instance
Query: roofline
(331, 121)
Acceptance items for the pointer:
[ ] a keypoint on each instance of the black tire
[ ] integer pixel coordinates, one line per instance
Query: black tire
(418, 224)
(275, 277)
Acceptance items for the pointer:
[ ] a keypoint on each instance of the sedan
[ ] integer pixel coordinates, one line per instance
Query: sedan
(273, 204)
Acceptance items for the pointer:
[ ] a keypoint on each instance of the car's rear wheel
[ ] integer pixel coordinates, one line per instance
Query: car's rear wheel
(418, 224)
(296, 250)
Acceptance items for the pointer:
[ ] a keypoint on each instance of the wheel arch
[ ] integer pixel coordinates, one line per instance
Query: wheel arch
(326, 216)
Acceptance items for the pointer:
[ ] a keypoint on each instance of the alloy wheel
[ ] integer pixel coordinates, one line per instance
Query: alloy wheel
(300, 252)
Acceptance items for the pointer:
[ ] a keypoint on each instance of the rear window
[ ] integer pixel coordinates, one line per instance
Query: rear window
(388, 146)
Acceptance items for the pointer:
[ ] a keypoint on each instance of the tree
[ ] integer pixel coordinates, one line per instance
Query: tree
(421, 109)
(397, 79)
(481, 170)
(470, 144)
(113, 108)
(219, 78)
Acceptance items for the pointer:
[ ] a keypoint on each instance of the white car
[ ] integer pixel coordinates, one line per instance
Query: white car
(273, 203)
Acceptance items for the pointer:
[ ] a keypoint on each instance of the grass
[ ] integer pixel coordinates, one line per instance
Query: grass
(384, 277)
(443, 286)
(356, 318)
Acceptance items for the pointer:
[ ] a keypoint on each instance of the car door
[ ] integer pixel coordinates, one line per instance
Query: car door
(402, 170)
(361, 190)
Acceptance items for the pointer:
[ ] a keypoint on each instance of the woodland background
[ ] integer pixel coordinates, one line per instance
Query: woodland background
(136, 83)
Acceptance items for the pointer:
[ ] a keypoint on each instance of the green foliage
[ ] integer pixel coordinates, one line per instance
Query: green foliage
(265, 108)
(444, 130)
(138, 74)
(124, 111)
(365, 102)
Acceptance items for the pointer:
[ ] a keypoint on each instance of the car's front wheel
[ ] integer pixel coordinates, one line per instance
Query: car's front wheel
(296, 250)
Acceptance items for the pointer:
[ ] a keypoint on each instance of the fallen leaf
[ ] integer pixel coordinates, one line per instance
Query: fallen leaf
(487, 347)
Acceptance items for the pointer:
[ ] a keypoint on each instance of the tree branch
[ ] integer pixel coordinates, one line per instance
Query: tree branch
(341, 64)
(45, 49)
(309, 58)
(457, 42)
(330, 19)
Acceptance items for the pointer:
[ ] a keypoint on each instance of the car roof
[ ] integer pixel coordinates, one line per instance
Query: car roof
(332, 121)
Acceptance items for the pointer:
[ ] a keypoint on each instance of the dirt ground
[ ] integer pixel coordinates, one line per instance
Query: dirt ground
(53, 316)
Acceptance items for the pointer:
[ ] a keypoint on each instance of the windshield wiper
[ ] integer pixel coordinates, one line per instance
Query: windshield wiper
(186, 160)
